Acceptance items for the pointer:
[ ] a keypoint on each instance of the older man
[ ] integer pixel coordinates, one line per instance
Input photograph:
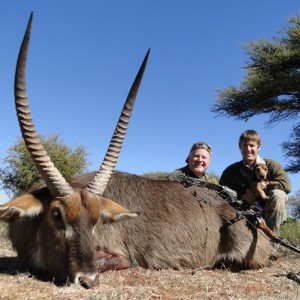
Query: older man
(197, 161)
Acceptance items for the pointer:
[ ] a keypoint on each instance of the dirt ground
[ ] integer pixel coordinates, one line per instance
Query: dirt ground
(138, 283)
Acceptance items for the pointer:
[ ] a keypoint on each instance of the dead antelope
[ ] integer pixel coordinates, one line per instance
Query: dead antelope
(67, 230)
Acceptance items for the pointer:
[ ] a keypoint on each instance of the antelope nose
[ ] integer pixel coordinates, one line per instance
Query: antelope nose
(88, 282)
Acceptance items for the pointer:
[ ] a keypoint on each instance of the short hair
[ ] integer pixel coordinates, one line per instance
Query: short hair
(250, 136)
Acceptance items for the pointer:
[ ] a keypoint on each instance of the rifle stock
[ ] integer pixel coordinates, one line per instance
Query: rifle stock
(268, 232)
(275, 238)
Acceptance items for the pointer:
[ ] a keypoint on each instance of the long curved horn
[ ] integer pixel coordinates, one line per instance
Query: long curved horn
(98, 184)
(54, 180)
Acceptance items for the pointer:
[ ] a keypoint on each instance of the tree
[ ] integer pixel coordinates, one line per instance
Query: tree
(294, 206)
(211, 176)
(20, 172)
(156, 175)
(271, 86)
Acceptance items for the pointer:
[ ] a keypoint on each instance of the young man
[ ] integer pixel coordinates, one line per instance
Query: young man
(239, 175)
(197, 161)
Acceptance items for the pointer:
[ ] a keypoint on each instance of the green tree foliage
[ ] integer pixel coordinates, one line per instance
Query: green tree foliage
(271, 86)
(294, 206)
(290, 231)
(211, 176)
(156, 175)
(20, 172)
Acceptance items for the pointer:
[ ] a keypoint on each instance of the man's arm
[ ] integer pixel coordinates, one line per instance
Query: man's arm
(276, 173)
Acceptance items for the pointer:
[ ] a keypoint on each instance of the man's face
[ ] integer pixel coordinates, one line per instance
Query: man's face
(249, 151)
(199, 161)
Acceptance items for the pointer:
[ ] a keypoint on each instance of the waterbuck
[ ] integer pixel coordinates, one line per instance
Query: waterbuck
(68, 230)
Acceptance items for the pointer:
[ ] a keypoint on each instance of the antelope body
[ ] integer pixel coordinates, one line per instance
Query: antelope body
(69, 230)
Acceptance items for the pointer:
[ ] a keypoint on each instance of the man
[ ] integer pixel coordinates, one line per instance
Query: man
(238, 176)
(197, 161)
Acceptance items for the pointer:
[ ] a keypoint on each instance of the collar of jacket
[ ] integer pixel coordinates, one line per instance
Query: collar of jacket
(258, 160)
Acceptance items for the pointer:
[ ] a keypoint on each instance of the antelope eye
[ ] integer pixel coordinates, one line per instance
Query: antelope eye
(56, 215)
(57, 219)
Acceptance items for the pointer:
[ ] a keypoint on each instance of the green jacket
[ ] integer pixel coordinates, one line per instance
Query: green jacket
(177, 175)
(237, 176)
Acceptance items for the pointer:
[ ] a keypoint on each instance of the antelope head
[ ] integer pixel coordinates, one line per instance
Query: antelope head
(51, 226)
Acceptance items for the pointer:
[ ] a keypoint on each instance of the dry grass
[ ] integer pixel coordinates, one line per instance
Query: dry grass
(138, 283)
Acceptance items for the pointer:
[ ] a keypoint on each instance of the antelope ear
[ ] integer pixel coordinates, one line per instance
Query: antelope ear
(23, 206)
(113, 212)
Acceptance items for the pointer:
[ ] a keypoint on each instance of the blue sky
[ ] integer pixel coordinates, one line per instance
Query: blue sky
(84, 56)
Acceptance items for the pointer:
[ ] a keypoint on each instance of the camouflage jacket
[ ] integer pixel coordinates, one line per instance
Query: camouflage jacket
(185, 172)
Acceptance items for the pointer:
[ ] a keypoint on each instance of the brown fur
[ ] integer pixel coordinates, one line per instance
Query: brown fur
(260, 184)
(55, 237)
(178, 227)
